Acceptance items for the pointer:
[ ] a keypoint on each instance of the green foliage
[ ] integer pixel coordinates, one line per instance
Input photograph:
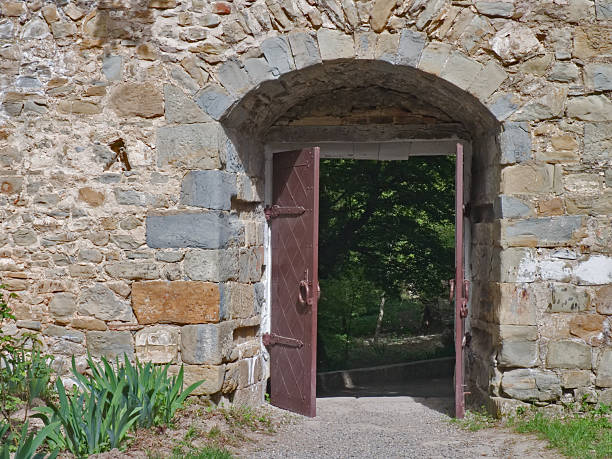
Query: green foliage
(92, 422)
(206, 452)
(586, 434)
(26, 444)
(110, 402)
(394, 219)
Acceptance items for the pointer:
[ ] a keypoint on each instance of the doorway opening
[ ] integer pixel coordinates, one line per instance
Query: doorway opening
(386, 254)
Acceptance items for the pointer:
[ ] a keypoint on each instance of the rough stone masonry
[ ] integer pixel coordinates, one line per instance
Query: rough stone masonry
(132, 171)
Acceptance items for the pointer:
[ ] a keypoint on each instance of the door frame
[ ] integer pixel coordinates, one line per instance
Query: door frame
(383, 151)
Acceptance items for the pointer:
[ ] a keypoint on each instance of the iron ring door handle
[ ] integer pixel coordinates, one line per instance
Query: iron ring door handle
(304, 299)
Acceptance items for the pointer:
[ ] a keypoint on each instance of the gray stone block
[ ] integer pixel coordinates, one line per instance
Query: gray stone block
(598, 76)
(64, 333)
(130, 197)
(597, 141)
(503, 105)
(544, 231)
(214, 100)
(110, 344)
(258, 70)
(209, 189)
(208, 344)
(461, 70)
(112, 67)
(515, 143)
(100, 301)
(410, 47)
(564, 72)
(518, 354)
(6, 29)
(173, 256)
(211, 265)
(511, 207)
(569, 298)
(191, 146)
(62, 305)
(495, 9)
(335, 44)
(604, 369)
(206, 230)
(181, 109)
(603, 9)
(304, 49)
(278, 54)
(132, 270)
(531, 385)
(233, 77)
(568, 354)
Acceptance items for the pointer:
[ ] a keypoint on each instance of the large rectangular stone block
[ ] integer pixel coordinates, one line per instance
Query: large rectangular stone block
(209, 189)
(604, 369)
(194, 146)
(206, 230)
(517, 304)
(569, 298)
(518, 354)
(568, 354)
(179, 302)
(208, 344)
(541, 232)
(515, 143)
(531, 385)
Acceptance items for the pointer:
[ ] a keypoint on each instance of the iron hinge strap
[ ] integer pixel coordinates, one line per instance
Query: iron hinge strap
(278, 211)
(270, 339)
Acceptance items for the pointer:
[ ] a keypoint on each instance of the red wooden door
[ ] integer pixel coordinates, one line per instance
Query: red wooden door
(294, 222)
(461, 287)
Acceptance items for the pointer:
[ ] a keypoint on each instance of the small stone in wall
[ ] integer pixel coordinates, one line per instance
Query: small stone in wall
(63, 304)
(515, 42)
(99, 301)
(90, 196)
(221, 8)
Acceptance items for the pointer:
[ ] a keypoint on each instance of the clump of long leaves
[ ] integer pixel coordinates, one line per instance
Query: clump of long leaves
(147, 386)
(92, 422)
(26, 444)
(102, 409)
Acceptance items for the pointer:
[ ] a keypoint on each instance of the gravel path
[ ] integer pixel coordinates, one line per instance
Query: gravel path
(391, 427)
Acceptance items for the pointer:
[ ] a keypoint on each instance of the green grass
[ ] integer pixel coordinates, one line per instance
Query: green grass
(582, 435)
(208, 452)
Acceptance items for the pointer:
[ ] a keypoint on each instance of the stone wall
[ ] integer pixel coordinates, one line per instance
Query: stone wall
(131, 156)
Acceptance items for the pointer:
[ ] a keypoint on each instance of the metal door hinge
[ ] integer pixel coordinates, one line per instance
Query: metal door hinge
(270, 339)
(278, 211)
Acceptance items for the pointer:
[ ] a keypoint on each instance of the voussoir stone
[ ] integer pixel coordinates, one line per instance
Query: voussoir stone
(180, 302)
(143, 100)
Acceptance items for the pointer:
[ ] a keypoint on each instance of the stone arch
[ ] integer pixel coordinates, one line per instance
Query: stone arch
(254, 94)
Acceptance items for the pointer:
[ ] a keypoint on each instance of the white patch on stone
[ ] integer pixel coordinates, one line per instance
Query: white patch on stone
(555, 270)
(597, 270)
(527, 269)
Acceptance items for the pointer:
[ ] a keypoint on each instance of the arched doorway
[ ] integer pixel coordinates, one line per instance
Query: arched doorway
(377, 109)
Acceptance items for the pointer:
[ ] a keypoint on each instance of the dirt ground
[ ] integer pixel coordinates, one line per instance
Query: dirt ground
(407, 421)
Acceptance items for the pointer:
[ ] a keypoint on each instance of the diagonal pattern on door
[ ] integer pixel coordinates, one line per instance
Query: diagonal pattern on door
(293, 218)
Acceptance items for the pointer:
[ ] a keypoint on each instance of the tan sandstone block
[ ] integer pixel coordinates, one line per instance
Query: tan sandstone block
(90, 196)
(180, 302)
(528, 178)
(587, 326)
(211, 374)
(137, 99)
(603, 299)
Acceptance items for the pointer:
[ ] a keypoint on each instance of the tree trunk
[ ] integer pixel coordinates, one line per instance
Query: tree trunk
(381, 313)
